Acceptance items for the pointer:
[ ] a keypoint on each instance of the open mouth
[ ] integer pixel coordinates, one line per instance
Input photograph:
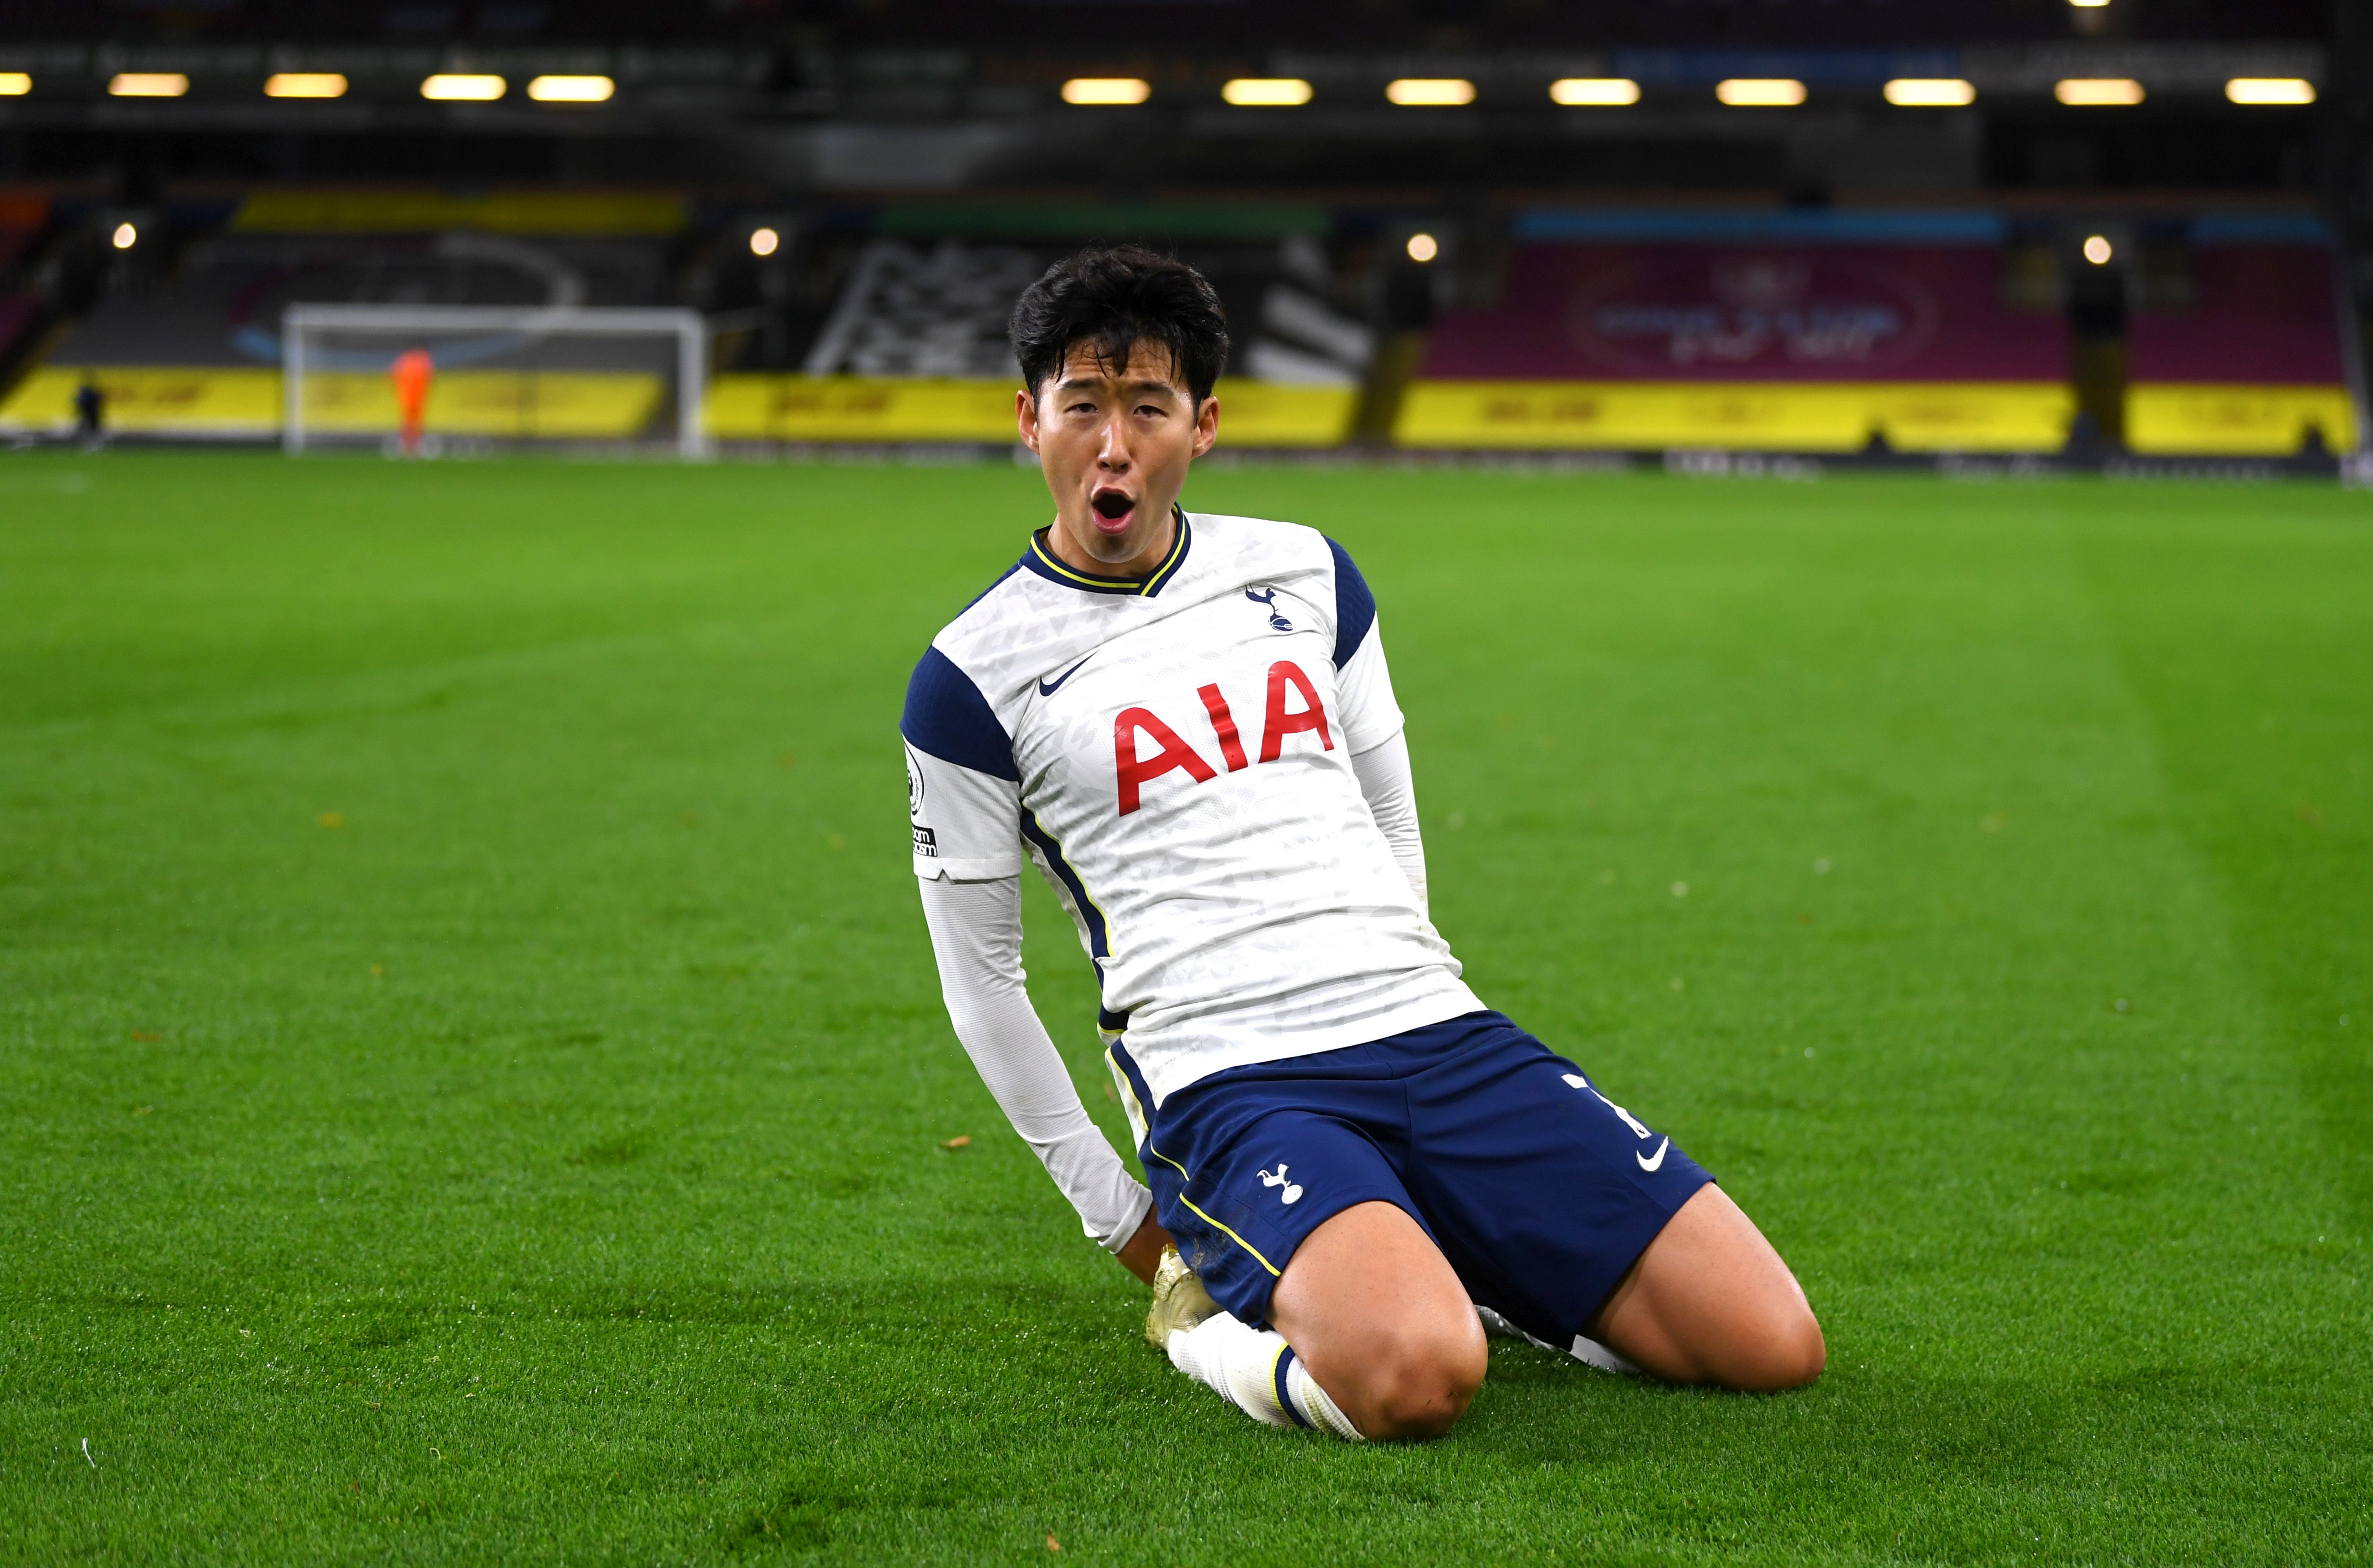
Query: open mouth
(1113, 510)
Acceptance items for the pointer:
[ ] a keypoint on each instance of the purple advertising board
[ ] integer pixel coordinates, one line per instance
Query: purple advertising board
(2262, 315)
(1749, 312)
(17, 313)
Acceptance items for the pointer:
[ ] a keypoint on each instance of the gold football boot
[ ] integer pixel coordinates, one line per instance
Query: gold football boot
(1180, 1302)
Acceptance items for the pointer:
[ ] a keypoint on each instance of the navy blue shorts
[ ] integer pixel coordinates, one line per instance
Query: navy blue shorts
(1540, 1190)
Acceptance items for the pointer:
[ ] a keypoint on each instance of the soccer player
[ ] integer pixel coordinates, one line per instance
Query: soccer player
(413, 372)
(1185, 722)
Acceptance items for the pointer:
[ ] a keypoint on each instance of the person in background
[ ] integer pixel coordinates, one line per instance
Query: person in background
(90, 414)
(412, 372)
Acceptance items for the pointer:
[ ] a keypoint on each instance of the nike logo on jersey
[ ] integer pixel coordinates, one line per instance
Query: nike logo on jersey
(1047, 688)
(1648, 1164)
(1293, 1189)
(1133, 769)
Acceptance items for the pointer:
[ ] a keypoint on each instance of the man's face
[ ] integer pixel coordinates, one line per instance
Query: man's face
(1114, 443)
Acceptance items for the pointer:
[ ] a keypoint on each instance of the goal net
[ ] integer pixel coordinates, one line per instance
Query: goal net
(493, 373)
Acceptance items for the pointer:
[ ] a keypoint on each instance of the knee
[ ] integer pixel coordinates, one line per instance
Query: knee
(1783, 1350)
(1422, 1389)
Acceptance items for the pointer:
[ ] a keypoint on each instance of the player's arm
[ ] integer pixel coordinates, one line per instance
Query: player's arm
(964, 797)
(1384, 772)
(1372, 726)
(976, 937)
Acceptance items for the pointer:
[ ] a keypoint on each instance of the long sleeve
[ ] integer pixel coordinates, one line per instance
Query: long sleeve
(1372, 726)
(976, 937)
(1384, 772)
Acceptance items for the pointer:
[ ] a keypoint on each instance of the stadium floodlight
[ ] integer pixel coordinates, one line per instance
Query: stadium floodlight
(125, 237)
(1431, 92)
(1267, 92)
(1760, 92)
(305, 84)
(1930, 92)
(1423, 247)
(764, 241)
(2270, 89)
(1594, 92)
(2098, 92)
(1107, 89)
(2097, 250)
(571, 89)
(448, 86)
(148, 83)
(356, 344)
(15, 84)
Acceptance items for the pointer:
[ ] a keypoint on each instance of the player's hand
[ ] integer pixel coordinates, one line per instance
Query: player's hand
(1143, 1253)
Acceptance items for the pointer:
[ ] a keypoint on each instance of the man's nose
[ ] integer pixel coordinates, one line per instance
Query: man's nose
(1112, 452)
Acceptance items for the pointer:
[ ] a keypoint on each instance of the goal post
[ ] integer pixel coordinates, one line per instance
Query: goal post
(583, 373)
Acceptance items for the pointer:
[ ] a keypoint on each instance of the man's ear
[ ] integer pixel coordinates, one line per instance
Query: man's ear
(1206, 426)
(1025, 418)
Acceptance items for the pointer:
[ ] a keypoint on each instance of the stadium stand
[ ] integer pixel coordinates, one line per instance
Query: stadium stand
(197, 356)
(915, 349)
(1816, 332)
(2254, 365)
(22, 216)
(1639, 330)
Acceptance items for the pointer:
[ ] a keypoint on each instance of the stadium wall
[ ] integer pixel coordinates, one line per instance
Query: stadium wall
(2254, 364)
(1808, 332)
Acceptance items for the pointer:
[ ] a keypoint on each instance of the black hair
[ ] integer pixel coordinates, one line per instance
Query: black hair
(1110, 296)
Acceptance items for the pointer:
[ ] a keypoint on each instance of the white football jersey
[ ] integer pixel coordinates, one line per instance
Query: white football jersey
(1174, 753)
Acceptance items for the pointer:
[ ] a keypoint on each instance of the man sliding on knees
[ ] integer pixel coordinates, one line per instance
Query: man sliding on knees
(1184, 721)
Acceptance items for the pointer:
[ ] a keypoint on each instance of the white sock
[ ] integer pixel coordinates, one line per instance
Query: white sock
(1257, 1371)
(1587, 1351)
(1590, 1352)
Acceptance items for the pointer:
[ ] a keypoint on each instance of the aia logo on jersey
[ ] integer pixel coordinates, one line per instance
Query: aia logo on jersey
(1135, 770)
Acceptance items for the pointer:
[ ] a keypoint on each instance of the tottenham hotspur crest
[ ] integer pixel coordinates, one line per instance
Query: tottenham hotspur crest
(1293, 1188)
(1268, 597)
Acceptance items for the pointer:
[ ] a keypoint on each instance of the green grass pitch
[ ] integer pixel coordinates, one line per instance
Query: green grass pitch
(472, 1084)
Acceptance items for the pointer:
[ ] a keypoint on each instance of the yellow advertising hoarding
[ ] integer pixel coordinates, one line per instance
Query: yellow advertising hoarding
(1840, 417)
(151, 400)
(2173, 419)
(760, 408)
(166, 401)
(519, 404)
(547, 213)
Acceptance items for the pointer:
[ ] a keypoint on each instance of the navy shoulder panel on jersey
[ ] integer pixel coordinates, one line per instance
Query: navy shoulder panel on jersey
(947, 717)
(1355, 607)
